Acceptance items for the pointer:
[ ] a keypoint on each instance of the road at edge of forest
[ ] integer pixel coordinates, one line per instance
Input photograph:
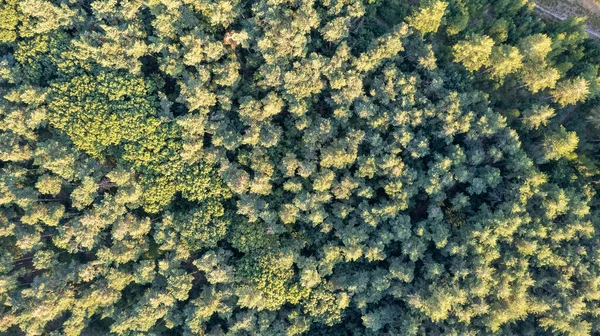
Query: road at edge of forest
(555, 15)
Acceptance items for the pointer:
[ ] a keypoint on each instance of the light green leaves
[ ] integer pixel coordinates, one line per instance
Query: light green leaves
(101, 112)
(427, 18)
(474, 52)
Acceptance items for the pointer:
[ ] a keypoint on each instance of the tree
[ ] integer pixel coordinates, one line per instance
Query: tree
(560, 144)
(427, 18)
(268, 277)
(505, 60)
(537, 116)
(9, 20)
(474, 52)
(384, 47)
(100, 112)
(48, 184)
(537, 79)
(537, 73)
(297, 167)
(200, 227)
(571, 91)
(536, 47)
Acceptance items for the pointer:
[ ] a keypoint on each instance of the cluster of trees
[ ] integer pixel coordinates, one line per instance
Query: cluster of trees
(288, 167)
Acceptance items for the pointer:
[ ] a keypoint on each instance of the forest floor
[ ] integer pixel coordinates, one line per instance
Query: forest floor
(561, 9)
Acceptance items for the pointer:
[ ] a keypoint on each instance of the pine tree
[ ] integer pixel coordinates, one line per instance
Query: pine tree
(474, 53)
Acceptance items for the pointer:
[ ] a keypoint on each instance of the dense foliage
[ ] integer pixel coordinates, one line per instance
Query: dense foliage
(287, 167)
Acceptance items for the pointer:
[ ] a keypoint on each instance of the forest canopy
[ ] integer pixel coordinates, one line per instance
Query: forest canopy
(297, 167)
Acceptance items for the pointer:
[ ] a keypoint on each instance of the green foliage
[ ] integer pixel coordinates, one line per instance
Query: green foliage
(560, 144)
(198, 228)
(297, 168)
(537, 74)
(40, 56)
(268, 281)
(8, 20)
(251, 236)
(101, 112)
(571, 91)
(326, 307)
(505, 60)
(428, 17)
(48, 184)
(537, 116)
(537, 79)
(474, 53)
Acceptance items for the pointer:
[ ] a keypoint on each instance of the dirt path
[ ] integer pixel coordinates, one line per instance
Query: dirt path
(560, 17)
